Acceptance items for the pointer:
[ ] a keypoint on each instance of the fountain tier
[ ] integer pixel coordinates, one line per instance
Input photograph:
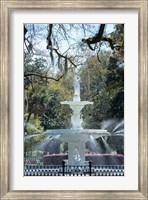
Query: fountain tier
(76, 107)
(71, 135)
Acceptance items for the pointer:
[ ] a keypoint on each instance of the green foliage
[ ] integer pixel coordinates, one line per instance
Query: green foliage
(34, 125)
(118, 38)
(56, 116)
(102, 83)
(115, 86)
(34, 66)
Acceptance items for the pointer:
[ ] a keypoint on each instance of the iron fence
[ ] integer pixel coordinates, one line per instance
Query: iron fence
(69, 170)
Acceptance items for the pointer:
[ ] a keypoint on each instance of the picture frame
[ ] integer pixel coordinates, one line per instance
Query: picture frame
(6, 7)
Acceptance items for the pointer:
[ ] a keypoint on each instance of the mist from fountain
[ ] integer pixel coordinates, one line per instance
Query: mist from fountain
(94, 146)
(118, 126)
(30, 136)
(119, 132)
(42, 145)
(115, 127)
(31, 126)
(108, 124)
(49, 142)
(108, 148)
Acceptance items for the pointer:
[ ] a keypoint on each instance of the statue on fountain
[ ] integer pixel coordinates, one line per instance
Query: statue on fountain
(76, 89)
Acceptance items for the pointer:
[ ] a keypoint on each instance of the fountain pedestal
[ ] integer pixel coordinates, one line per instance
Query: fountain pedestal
(76, 154)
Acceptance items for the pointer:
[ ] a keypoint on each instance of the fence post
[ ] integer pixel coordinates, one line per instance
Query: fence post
(90, 165)
(63, 167)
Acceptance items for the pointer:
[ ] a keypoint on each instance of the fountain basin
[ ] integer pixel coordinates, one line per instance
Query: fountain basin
(75, 135)
(76, 139)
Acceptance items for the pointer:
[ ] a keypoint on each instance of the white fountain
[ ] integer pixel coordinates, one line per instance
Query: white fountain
(76, 137)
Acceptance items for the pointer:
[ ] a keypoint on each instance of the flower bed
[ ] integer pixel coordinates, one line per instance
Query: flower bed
(96, 159)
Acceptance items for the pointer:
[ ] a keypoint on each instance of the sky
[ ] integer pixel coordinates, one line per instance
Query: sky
(39, 41)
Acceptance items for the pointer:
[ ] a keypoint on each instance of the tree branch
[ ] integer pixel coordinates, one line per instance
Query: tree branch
(41, 76)
(65, 57)
(49, 42)
(98, 38)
